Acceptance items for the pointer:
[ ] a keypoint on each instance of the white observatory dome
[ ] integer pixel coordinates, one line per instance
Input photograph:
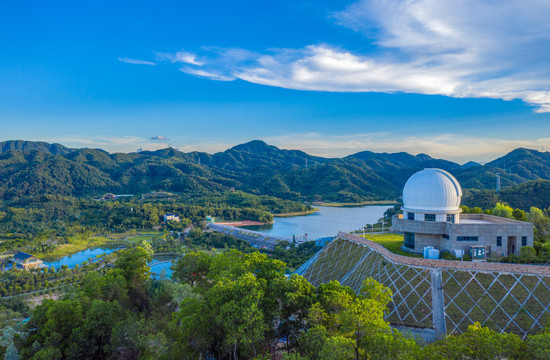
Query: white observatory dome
(432, 190)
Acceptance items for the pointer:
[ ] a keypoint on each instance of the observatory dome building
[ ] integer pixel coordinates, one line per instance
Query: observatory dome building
(432, 192)
(432, 217)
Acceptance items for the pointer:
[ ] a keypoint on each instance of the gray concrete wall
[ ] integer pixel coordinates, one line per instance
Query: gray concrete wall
(431, 233)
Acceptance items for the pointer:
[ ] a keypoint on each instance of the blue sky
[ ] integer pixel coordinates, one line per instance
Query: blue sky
(459, 80)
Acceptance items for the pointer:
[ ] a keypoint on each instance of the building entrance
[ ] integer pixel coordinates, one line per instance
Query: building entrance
(511, 245)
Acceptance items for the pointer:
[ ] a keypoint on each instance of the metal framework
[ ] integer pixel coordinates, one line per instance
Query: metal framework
(446, 299)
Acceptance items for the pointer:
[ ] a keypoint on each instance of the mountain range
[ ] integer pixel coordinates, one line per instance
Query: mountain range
(34, 168)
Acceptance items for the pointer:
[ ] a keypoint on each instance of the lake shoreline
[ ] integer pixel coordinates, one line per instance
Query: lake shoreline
(325, 222)
(242, 223)
(298, 213)
(71, 249)
(358, 204)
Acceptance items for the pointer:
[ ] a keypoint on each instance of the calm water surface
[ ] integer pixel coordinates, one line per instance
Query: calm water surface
(80, 257)
(157, 269)
(326, 222)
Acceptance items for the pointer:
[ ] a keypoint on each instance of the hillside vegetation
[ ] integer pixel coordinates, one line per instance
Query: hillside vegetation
(29, 169)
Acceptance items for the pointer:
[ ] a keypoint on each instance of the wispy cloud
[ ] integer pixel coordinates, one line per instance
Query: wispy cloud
(159, 138)
(135, 61)
(207, 74)
(454, 147)
(459, 148)
(126, 143)
(187, 58)
(183, 57)
(455, 48)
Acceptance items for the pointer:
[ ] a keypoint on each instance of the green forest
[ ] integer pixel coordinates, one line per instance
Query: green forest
(226, 299)
(30, 169)
(231, 306)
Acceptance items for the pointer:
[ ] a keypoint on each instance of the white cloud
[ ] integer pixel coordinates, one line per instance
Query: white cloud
(187, 58)
(459, 148)
(108, 143)
(182, 56)
(207, 74)
(453, 147)
(445, 47)
(160, 138)
(135, 61)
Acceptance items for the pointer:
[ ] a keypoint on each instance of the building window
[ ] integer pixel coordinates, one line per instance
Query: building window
(524, 241)
(409, 240)
(410, 216)
(451, 218)
(499, 240)
(429, 217)
(466, 238)
(445, 236)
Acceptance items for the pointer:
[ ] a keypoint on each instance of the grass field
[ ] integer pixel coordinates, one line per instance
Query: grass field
(146, 237)
(390, 241)
(79, 245)
(68, 249)
(136, 235)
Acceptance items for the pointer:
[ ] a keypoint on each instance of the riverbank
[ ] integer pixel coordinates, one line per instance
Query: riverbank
(98, 241)
(363, 203)
(242, 223)
(77, 246)
(298, 213)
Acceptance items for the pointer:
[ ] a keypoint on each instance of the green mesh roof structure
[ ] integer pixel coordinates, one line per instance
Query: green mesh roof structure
(504, 297)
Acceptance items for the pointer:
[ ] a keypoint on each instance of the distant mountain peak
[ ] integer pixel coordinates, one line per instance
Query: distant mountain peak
(470, 164)
(255, 146)
(424, 156)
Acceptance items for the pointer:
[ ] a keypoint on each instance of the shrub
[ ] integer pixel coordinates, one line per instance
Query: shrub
(446, 255)
(528, 254)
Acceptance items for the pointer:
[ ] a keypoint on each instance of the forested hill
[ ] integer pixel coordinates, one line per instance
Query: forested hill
(516, 167)
(22, 145)
(37, 168)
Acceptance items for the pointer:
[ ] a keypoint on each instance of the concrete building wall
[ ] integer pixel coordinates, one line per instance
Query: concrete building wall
(422, 240)
(445, 236)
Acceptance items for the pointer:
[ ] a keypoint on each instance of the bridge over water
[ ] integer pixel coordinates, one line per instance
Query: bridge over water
(254, 238)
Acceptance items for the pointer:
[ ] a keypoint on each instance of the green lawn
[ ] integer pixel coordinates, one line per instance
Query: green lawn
(390, 241)
(74, 247)
(146, 236)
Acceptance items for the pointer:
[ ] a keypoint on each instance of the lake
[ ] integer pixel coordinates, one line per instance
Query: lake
(326, 222)
(158, 268)
(80, 257)
(84, 255)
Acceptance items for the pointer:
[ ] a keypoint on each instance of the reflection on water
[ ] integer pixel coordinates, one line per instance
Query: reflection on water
(80, 257)
(84, 255)
(326, 222)
(158, 268)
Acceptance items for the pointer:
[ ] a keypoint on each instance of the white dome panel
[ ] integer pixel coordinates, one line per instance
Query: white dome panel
(432, 190)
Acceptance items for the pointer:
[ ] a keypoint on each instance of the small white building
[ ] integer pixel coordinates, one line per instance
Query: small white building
(171, 217)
